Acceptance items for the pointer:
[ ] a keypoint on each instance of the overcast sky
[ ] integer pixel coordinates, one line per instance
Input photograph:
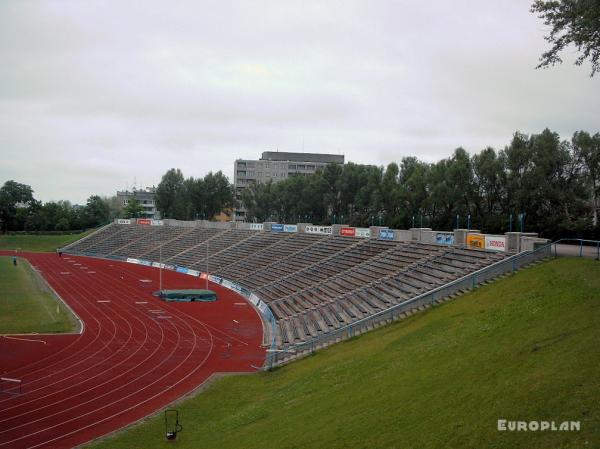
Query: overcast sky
(95, 95)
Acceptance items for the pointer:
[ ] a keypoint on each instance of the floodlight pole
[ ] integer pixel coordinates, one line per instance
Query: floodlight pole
(160, 265)
(207, 263)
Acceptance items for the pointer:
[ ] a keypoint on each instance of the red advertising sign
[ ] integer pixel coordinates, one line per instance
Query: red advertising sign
(348, 232)
(144, 221)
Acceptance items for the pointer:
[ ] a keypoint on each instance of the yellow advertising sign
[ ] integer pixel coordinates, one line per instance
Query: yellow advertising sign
(476, 240)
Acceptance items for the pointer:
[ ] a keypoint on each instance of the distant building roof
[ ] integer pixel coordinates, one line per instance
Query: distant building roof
(302, 157)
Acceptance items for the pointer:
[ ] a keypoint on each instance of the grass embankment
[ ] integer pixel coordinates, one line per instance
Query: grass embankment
(26, 303)
(38, 243)
(524, 348)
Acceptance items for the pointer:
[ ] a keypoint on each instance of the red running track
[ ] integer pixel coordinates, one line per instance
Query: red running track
(136, 353)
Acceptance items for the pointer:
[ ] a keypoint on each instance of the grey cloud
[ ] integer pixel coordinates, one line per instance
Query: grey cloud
(95, 93)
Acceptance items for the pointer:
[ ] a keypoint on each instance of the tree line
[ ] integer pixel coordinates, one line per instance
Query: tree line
(20, 211)
(193, 198)
(536, 183)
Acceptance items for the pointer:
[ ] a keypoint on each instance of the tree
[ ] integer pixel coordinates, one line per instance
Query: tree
(96, 211)
(587, 148)
(169, 194)
(134, 208)
(12, 196)
(218, 194)
(572, 22)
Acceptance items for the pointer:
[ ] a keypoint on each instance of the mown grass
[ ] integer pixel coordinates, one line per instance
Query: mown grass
(26, 304)
(523, 348)
(38, 243)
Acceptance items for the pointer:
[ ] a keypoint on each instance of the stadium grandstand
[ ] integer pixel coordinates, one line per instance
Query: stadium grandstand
(310, 281)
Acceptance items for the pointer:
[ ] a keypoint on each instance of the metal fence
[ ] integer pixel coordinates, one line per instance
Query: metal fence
(583, 247)
(279, 356)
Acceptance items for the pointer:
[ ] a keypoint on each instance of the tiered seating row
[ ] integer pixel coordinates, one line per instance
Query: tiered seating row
(343, 300)
(313, 283)
(265, 257)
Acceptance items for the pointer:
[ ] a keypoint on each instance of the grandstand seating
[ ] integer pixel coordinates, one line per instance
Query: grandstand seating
(313, 283)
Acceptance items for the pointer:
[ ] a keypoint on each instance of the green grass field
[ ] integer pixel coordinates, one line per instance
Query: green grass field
(524, 348)
(26, 304)
(38, 243)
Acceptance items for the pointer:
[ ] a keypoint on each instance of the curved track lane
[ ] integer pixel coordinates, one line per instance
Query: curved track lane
(136, 354)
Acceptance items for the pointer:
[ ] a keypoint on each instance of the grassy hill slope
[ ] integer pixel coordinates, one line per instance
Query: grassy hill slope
(524, 348)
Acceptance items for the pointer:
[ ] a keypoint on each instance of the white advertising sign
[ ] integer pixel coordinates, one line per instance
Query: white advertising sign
(123, 221)
(256, 226)
(363, 232)
(318, 230)
(495, 243)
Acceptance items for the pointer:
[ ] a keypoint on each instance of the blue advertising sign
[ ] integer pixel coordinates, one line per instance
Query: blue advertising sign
(277, 227)
(445, 238)
(290, 228)
(386, 234)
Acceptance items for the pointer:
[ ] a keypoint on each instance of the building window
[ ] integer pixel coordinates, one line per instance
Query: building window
(291, 167)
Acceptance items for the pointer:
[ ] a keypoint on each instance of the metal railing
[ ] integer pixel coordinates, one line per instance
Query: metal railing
(465, 283)
(582, 243)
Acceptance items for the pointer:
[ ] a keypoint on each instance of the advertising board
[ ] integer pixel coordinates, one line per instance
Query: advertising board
(476, 240)
(318, 230)
(364, 233)
(444, 238)
(157, 223)
(386, 234)
(495, 242)
(348, 232)
(144, 221)
(290, 228)
(123, 221)
(277, 227)
(256, 226)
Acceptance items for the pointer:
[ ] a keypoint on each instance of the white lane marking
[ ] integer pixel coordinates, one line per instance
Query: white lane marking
(103, 300)
(24, 339)
(141, 302)
(145, 280)
(65, 272)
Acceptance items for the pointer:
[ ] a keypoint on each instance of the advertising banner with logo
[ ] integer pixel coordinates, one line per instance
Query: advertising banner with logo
(263, 307)
(318, 229)
(497, 243)
(157, 223)
(276, 227)
(256, 226)
(476, 240)
(182, 270)
(290, 228)
(132, 260)
(386, 234)
(364, 233)
(348, 232)
(445, 238)
(144, 221)
(193, 272)
(123, 221)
